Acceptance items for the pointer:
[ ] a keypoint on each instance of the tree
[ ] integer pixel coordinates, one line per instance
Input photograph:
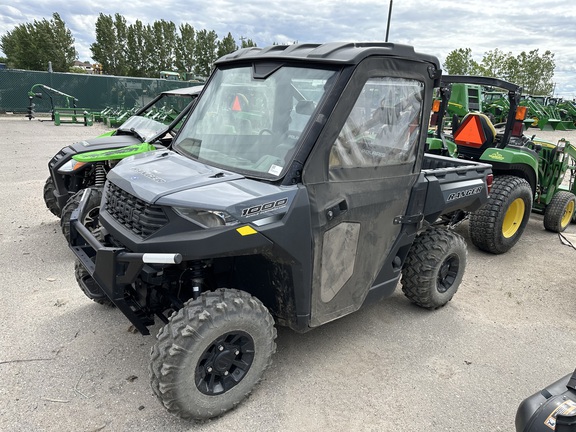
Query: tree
(121, 30)
(205, 52)
(460, 62)
(535, 72)
(136, 55)
(532, 71)
(185, 48)
(111, 44)
(164, 39)
(226, 46)
(32, 45)
(77, 69)
(246, 42)
(495, 64)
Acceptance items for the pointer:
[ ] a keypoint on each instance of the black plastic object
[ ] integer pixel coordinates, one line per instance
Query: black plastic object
(551, 409)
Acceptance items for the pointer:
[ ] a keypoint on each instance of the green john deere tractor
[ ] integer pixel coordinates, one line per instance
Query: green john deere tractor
(466, 97)
(567, 111)
(545, 114)
(495, 105)
(529, 173)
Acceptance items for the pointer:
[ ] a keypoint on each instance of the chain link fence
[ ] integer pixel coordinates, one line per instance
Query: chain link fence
(94, 92)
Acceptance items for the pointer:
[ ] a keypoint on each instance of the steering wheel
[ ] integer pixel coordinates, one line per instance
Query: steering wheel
(265, 131)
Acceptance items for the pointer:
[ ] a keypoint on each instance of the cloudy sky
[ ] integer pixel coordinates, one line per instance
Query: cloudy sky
(433, 27)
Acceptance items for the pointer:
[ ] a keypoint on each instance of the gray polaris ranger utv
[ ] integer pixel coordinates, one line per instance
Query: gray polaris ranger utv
(297, 192)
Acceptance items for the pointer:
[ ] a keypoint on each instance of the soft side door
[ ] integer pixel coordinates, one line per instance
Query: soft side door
(359, 178)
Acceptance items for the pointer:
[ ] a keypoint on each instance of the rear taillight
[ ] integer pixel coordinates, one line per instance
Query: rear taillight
(435, 110)
(521, 113)
(489, 180)
(518, 128)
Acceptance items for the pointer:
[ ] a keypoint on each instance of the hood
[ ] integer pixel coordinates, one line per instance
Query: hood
(104, 143)
(167, 178)
(153, 175)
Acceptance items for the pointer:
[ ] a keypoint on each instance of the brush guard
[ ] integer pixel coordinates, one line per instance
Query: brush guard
(114, 268)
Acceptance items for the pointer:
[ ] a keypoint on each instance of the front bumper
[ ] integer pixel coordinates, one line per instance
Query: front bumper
(113, 268)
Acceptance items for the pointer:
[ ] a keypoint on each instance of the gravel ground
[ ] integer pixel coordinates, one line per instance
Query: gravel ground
(68, 364)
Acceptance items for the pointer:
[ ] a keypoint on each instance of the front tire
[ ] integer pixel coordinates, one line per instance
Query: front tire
(212, 353)
(49, 197)
(92, 210)
(434, 268)
(89, 286)
(498, 225)
(560, 211)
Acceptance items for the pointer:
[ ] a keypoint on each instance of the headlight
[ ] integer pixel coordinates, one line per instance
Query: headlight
(70, 166)
(206, 218)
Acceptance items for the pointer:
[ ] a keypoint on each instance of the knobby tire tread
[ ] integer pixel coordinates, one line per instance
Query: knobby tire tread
(420, 269)
(192, 321)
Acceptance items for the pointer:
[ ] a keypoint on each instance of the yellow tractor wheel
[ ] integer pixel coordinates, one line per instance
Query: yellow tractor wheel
(560, 211)
(499, 224)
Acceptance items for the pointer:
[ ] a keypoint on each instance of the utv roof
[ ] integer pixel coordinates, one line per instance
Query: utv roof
(333, 52)
(481, 80)
(185, 91)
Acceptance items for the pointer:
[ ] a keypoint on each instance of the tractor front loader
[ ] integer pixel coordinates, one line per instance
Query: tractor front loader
(555, 197)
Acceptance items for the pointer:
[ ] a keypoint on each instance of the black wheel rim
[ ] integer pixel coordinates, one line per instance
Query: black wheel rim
(91, 219)
(224, 363)
(448, 273)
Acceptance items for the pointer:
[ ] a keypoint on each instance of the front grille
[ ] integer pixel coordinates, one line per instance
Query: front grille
(136, 215)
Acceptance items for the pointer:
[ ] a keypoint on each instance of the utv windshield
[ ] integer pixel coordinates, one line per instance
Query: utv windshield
(153, 121)
(249, 119)
(144, 127)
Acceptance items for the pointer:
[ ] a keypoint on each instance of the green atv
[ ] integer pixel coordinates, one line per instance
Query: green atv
(528, 172)
(85, 164)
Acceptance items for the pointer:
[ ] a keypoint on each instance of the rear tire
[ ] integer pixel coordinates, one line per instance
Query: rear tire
(89, 286)
(434, 268)
(49, 197)
(498, 225)
(560, 211)
(92, 210)
(212, 353)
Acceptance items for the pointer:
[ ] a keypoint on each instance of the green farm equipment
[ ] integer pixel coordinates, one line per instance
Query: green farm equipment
(464, 98)
(170, 75)
(544, 114)
(68, 113)
(118, 116)
(567, 111)
(114, 117)
(495, 105)
(528, 172)
(556, 191)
